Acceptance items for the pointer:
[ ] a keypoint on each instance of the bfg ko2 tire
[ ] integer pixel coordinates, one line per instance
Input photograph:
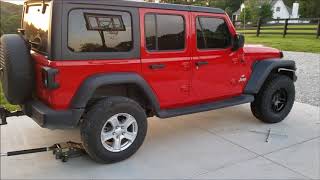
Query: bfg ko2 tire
(113, 129)
(275, 99)
(16, 69)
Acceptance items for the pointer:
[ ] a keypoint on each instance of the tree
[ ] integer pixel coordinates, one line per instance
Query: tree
(246, 15)
(229, 6)
(308, 8)
(10, 17)
(265, 12)
(251, 13)
(176, 1)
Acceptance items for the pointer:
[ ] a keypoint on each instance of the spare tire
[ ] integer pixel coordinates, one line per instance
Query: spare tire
(16, 69)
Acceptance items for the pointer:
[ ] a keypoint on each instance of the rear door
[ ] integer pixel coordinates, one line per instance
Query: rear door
(165, 54)
(216, 67)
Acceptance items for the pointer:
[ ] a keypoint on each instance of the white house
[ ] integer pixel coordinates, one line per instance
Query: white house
(280, 10)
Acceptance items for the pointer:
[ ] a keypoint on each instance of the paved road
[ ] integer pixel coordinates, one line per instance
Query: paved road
(308, 84)
(218, 144)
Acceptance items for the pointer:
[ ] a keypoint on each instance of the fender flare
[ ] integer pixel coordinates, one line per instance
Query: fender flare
(88, 87)
(262, 69)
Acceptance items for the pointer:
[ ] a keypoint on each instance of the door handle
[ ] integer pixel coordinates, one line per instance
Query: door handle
(202, 63)
(157, 66)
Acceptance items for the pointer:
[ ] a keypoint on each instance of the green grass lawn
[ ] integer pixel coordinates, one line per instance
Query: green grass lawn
(302, 43)
(289, 26)
(4, 102)
(291, 29)
(290, 43)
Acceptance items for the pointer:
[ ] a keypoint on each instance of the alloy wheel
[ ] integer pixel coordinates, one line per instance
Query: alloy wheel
(119, 132)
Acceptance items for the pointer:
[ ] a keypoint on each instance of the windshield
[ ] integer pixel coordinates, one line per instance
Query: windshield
(36, 23)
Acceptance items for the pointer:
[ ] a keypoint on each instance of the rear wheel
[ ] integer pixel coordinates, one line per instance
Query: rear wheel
(275, 100)
(113, 129)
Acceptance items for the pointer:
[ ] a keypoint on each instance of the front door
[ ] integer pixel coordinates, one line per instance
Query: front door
(216, 67)
(165, 55)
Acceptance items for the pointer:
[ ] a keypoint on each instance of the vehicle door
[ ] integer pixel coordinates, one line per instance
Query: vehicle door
(165, 54)
(216, 67)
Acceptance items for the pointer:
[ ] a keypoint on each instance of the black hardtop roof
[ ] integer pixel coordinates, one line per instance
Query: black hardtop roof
(138, 4)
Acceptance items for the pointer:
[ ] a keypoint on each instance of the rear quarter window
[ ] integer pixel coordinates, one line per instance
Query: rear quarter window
(99, 31)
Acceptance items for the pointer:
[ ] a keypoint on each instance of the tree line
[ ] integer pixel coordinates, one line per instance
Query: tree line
(308, 8)
(11, 14)
(10, 17)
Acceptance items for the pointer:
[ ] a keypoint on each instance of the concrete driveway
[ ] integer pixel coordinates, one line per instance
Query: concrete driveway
(219, 144)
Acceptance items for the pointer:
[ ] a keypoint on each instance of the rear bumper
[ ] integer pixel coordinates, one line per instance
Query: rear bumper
(52, 119)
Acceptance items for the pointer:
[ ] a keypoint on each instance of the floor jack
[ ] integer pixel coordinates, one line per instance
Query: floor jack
(62, 151)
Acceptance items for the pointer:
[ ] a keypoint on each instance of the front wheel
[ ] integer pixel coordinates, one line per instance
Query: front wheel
(113, 129)
(275, 100)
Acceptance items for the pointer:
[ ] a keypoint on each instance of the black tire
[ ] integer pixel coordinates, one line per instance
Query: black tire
(94, 120)
(17, 75)
(275, 100)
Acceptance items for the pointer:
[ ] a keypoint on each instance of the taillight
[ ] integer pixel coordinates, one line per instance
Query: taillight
(49, 77)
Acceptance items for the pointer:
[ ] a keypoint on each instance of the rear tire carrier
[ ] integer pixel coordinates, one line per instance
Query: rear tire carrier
(4, 114)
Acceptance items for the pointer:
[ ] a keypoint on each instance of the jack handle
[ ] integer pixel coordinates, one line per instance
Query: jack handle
(27, 151)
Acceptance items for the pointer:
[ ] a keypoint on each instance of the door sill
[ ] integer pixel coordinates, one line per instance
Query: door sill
(242, 99)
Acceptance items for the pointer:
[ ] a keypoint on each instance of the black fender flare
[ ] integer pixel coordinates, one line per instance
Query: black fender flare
(262, 69)
(88, 87)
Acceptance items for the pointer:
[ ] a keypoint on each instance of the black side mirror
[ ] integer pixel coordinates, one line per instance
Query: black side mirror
(238, 42)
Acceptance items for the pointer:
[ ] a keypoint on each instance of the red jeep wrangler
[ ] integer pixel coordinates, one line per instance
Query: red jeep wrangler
(105, 66)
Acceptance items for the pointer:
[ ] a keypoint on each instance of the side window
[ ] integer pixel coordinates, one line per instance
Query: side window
(99, 31)
(212, 33)
(164, 32)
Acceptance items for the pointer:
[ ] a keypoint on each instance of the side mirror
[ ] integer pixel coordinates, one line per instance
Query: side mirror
(238, 42)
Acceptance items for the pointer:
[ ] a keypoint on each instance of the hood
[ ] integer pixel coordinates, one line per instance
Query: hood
(260, 52)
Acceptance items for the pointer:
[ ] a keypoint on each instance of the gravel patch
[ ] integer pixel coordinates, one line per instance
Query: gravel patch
(308, 72)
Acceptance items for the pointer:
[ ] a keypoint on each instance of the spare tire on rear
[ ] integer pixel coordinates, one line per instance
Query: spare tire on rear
(16, 69)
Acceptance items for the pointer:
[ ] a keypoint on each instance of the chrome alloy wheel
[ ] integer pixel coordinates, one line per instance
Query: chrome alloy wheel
(119, 132)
